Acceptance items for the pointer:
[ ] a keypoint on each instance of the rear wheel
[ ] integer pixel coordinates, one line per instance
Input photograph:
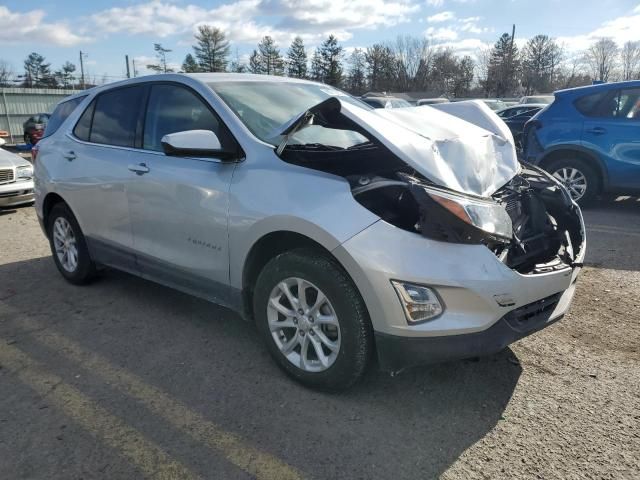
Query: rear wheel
(68, 246)
(313, 319)
(580, 179)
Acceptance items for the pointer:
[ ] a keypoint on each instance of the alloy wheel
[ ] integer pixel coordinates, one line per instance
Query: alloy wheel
(574, 180)
(304, 324)
(64, 243)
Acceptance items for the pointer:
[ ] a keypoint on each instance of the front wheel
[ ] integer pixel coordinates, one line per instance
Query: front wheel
(313, 319)
(580, 179)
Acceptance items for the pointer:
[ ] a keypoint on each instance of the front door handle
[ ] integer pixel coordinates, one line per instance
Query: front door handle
(70, 155)
(597, 130)
(140, 168)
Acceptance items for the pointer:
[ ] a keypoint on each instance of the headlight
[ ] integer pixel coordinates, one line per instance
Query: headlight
(486, 215)
(24, 172)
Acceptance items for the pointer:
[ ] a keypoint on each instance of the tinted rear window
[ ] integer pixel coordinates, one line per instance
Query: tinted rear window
(60, 114)
(588, 105)
(83, 127)
(116, 116)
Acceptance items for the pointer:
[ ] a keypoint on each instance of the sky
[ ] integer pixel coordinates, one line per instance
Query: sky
(109, 30)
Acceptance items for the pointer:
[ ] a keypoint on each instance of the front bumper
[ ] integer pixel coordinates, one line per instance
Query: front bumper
(471, 282)
(396, 353)
(16, 193)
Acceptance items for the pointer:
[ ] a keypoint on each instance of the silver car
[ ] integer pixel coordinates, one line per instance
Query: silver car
(16, 179)
(342, 231)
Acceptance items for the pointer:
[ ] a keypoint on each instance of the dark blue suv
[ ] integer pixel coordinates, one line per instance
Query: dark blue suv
(589, 139)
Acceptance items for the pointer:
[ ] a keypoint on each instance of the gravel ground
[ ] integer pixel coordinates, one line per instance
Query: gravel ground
(185, 379)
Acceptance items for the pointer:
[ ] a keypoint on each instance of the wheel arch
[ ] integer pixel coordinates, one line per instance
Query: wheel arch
(50, 200)
(272, 244)
(575, 151)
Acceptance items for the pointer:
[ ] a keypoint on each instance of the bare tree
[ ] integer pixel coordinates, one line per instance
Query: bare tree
(602, 58)
(356, 76)
(412, 55)
(482, 69)
(161, 55)
(630, 56)
(6, 73)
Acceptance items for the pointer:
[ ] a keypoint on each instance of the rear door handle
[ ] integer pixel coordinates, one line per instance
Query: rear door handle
(70, 155)
(597, 130)
(139, 169)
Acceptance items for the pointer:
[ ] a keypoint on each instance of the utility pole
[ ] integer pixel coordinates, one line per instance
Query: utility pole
(126, 57)
(82, 55)
(135, 72)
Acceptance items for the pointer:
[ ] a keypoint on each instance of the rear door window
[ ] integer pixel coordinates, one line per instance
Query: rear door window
(116, 116)
(628, 102)
(173, 108)
(591, 105)
(61, 113)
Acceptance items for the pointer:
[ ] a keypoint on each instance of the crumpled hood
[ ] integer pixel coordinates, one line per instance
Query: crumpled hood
(468, 148)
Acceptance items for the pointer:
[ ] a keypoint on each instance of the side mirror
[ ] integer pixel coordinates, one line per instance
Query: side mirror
(194, 143)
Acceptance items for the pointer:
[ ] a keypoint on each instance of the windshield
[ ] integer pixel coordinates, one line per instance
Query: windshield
(264, 107)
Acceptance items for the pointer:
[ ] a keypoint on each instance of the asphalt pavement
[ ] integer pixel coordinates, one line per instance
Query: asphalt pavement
(127, 379)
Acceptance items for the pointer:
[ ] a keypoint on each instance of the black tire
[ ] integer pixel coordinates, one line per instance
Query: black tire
(590, 174)
(356, 333)
(85, 270)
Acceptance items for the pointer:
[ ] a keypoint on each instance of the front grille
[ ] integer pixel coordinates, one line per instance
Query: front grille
(6, 175)
(530, 316)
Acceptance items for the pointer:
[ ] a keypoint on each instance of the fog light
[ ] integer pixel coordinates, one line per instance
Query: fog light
(420, 303)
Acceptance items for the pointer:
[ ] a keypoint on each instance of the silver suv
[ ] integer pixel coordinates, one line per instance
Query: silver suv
(341, 230)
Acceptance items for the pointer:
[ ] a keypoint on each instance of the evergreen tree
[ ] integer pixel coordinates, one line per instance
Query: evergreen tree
(64, 76)
(503, 67)
(331, 55)
(212, 49)
(255, 63)
(37, 72)
(271, 61)
(317, 67)
(297, 59)
(190, 65)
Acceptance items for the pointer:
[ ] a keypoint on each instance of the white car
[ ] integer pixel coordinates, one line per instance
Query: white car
(16, 179)
(340, 229)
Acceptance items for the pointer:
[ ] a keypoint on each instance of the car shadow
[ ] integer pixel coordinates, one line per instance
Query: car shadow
(613, 233)
(413, 425)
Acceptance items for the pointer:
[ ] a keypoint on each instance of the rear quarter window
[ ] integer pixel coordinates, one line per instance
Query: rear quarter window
(60, 114)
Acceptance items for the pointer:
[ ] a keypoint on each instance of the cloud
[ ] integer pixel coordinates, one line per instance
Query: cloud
(443, 33)
(441, 17)
(467, 46)
(621, 30)
(241, 20)
(28, 27)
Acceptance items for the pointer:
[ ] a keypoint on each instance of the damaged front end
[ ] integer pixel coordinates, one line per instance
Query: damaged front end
(530, 223)
(462, 184)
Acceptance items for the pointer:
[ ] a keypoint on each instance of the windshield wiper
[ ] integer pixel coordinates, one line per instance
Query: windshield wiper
(362, 146)
(314, 147)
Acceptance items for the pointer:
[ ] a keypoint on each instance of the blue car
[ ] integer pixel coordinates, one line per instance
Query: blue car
(589, 139)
